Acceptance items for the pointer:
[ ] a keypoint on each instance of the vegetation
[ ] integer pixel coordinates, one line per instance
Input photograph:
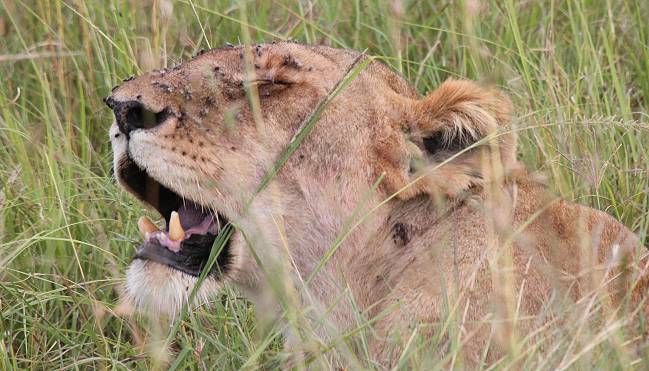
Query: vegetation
(578, 72)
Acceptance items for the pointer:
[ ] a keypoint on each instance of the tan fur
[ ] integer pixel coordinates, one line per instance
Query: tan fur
(457, 225)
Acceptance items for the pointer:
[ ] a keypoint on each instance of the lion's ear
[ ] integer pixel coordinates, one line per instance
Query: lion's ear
(450, 131)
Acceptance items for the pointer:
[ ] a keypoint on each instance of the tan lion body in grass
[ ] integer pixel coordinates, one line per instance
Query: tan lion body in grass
(469, 233)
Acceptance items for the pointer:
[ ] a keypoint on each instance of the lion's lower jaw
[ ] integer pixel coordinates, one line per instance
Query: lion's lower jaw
(155, 289)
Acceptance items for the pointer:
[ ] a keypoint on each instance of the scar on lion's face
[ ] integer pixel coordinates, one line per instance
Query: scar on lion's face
(432, 176)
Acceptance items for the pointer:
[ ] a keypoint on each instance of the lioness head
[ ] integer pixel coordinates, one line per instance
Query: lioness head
(196, 141)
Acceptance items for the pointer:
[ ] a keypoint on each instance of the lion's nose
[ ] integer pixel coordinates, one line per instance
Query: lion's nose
(132, 115)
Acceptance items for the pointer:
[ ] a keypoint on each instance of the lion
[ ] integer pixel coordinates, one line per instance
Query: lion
(351, 196)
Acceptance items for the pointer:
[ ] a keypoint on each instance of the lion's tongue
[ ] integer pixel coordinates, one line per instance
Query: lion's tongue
(192, 215)
(188, 220)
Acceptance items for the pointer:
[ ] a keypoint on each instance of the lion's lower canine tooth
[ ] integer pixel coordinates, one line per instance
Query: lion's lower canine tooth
(176, 231)
(146, 226)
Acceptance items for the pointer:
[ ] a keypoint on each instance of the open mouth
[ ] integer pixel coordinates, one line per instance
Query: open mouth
(190, 231)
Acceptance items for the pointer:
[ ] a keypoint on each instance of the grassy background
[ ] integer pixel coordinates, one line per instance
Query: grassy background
(578, 72)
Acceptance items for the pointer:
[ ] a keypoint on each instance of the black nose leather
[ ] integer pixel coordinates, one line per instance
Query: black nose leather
(132, 115)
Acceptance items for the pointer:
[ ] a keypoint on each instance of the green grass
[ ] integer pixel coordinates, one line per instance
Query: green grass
(578, 72)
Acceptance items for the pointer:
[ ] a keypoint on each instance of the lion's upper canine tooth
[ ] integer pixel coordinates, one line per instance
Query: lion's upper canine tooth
(146, 226)
(176, 231)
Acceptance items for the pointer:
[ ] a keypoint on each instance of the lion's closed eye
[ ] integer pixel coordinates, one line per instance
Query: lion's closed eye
(268, 87)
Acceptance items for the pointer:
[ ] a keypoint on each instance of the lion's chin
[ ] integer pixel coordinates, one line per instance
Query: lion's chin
(156, 289)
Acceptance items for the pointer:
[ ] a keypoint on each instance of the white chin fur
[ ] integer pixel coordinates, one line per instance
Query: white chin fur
(154, 288)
